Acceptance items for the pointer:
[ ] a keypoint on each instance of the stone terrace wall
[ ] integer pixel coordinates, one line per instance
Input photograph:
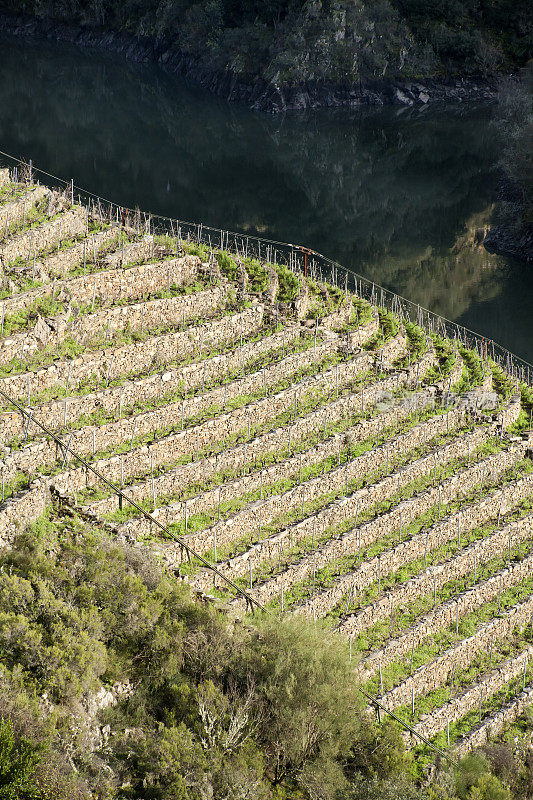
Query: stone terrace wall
(13, 211)
(238, 525)
(133, 252)
(383, 525)
(435, 673)
(171, 482)
(226, 529)
(166, 450)
(183, 380)
(360, 468)
(59, 414)
(19, 511)
(119, 362)
(459, 706)
(28, 242)
(87, 329)
(111, 286)
(446, 614)
(492, 726)
(60, 263)
(435, 576)
(169, 448)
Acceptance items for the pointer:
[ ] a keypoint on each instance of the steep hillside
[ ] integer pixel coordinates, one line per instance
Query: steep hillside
(182, 420)
(291, 53)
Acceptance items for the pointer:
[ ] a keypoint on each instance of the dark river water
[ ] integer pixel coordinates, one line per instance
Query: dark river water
(400, 196)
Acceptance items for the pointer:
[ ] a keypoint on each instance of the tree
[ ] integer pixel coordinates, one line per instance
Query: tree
(309, 701)
(473, 780)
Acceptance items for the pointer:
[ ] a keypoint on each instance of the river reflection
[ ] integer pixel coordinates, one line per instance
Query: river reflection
(401, 197)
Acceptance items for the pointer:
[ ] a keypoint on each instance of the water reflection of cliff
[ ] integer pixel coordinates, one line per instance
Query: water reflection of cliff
(448, 281)
(397, 197)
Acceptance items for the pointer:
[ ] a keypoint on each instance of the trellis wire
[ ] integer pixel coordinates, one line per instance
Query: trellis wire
(299, 259)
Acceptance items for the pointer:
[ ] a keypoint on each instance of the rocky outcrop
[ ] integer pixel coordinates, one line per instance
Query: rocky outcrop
(512, 240)
(257, 93)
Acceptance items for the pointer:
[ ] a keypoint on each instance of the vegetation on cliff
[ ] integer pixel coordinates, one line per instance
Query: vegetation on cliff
(288, 42)
(115, 683)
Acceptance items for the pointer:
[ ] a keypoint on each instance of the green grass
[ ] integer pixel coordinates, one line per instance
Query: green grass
(43, 306)
(20, 482)
(437, 643)
(388, 328)
(349, 605)
(334, 569)
(325, 298)
(416, 340)
(446, 359)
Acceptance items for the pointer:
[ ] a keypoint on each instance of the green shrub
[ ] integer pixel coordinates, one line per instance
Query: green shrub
(473, 780)
(258, 275)
(269, 709)
(18, 760)
(288, 284)
(388, 323)
(228, 265)
(200, 250)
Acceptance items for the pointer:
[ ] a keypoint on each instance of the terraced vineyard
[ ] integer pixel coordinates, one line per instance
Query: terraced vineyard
(329, 457)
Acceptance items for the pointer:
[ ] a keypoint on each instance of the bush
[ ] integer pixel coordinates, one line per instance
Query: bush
(258, 275)
(473, 780)
(265, 710)
(228, 265)
(18, 760)
(288, 284)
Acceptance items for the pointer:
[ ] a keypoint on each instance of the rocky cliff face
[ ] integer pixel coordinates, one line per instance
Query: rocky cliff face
(275, 94)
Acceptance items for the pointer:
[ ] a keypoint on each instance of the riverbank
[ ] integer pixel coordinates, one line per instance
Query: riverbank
(257, 94)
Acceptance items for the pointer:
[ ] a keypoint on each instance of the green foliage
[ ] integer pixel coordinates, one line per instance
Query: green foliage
(288, 284)
(200, 250)
(514, 121)
(258, 275)
(361, 314)
(445, 362)
(277, 40)
(308, 695)
(228, 265)
(526, 397)
(502, 382)
(273, 704)
(474, 369)
(382, 755)
(268, 710)
(473, 780)
(416, 340)
(388, 323)
(18, 759)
